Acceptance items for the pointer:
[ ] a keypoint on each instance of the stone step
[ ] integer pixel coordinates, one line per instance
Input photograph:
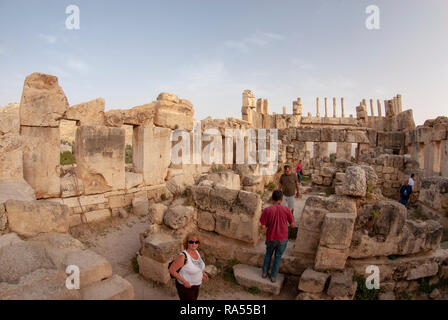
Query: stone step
(114, 288)
(249, 276)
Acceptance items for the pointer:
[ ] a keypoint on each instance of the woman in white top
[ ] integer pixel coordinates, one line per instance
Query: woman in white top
(191, 273)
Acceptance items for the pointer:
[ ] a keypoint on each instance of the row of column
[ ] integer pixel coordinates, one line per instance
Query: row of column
(326, 108)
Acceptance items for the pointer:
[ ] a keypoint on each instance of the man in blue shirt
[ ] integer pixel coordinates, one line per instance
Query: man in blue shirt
(405, 193)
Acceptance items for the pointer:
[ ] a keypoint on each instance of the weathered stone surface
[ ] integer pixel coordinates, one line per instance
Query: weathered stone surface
(329, 258)
(178, 184)
(237, 226)
(114, 288)
(161, 247)
(305, 135)
(20, 259)
(114, 118)
(133, 180)
(9, 239)
(140, 116)
(312, 281)
(151, 147)
(71, 186)
(41, 160)
(249, 276)
(29, 218)
(100, 161)
(310, 224)
(156, 212)
(43, 101)
(433, 191)
(337, 230)
(17, 189)
(9, 119)
(153, 270)
(11, 157)
(178, 216)
(87, 113)
(422, 271)
(355, 183)
(228, 178)
(342, 284)
(356, 137)
(41, 284)
(97, 215)
(92, 266)
(206, 221)
(140, 206)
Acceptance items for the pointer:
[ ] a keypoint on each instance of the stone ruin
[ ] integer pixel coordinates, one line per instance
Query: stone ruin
(359, 223)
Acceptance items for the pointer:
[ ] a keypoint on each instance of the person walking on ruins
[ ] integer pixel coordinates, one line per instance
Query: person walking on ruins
(275, 218)
(191, 274)
(411, 181)
(405, 193)
(299, 171)
(289, 184)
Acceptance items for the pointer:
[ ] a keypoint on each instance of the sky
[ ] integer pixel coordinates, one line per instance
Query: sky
(209, 52)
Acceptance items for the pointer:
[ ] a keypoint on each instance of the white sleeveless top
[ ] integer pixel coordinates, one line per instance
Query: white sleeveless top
(192, 270)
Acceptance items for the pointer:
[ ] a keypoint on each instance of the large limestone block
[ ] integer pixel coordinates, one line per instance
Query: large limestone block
(89, 113)
(17, 189)
(156, 212)
(342, 284)
(433, 190)
(161, 247)
(41, 160)
(140, 116)
(153, 270)
(71, 186)
(100, 153)
(178, 184)
(249, 276)
(22, 258)
(337, 230)
(177, 217)
(29, 218)
(140, 206)
(237, 226)
(308, 135)
(114, 288)
(11, 157)
(355, 183)
(329, 258)
(41, 284)
(356, 137)
(206, 220)
(92, 266)
(43, 101)
(425, 270)
(313, 281)
(151, 153)
(9, 119)
(227, 178)
(114, 118)
(172, 114)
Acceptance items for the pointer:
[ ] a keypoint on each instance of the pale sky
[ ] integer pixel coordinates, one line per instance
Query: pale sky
(210, 51)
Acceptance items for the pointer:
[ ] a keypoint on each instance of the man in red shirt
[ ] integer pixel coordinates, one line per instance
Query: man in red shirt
(275, 218)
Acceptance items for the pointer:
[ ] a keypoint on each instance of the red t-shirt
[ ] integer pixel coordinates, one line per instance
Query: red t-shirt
(299, 167)
(276, 218)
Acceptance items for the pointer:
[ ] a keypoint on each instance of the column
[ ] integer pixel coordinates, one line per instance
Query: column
(317, 108)
(342, 108)
(371, 108)
(400, 107)
(326, 108)
(334, 107)
(284, 110)
(378, 102)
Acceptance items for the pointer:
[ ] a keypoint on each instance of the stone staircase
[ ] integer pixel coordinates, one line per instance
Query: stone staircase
(250, 276)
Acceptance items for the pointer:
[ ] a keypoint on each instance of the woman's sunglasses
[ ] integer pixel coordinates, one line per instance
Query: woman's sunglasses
(193, 242)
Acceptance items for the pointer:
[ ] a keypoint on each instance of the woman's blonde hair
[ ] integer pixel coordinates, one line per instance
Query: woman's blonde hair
(188, 237)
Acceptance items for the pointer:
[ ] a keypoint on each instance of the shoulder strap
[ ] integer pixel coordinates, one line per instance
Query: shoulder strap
(185, 255)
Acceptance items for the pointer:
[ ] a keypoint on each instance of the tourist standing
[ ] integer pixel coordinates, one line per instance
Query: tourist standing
(275, 218)
(289, 184)
(299, 171)
(405, 193)
(191, 273)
